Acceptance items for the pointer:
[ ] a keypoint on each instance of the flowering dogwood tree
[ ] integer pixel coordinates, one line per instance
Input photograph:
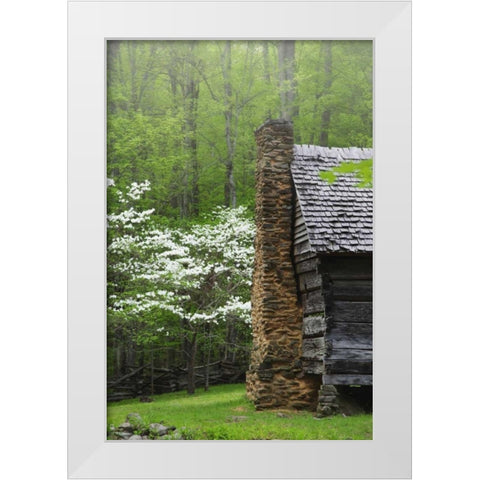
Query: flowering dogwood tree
(179, 282)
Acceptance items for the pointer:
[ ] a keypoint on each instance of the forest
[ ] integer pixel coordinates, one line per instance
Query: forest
(181, 154)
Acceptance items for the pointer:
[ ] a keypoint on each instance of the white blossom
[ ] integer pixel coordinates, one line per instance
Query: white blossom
(196, 275)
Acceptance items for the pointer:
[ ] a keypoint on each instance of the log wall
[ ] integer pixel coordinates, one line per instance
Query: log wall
(310, 289)
(336, 294)
(348, 299)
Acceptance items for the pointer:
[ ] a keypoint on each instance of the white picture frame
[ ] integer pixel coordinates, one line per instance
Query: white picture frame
(388, 24)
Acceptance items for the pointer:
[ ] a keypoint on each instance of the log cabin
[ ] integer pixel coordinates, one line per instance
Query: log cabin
(312, 282)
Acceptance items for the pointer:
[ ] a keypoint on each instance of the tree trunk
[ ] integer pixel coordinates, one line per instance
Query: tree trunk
(113, 50)
(118, 361)
(123, 358)
(208, 339)
(185, 87)
(266, 62)
(152, 385)
(326, 114)
(132, 57)
(230, 191)
(191, 93)
(191, 353)
(286, 71)
(131, 354)
(230, 340)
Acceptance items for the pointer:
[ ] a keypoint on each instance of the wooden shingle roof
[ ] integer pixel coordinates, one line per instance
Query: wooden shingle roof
(338, 216)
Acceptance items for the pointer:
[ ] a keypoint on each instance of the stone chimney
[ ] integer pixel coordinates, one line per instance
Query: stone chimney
(275, 377)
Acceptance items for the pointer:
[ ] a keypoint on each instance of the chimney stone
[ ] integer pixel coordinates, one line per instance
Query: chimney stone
(275, 377)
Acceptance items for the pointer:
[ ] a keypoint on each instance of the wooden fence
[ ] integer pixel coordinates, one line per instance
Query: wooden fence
(145, 380)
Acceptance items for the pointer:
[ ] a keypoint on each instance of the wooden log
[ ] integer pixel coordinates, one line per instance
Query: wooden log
(209, 365)
(302, 248)
(352, 331)
(313, 367)
(313, 348)
(360, 290)
(309, 281)
(347, 379)
(354, 328)
(300, 237)
(314, 326)
(354, 312)
(313, 302)
(131, 374)
(126, 387)
(360, 354)
(308, 265)
(304, 256)
(347, 366)
(164, 370)
(299, 221)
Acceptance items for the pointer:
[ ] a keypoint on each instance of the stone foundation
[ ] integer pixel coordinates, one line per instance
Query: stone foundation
(275, 377)
(327, 401)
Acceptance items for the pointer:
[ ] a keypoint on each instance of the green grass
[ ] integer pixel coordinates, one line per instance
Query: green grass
(207, 416)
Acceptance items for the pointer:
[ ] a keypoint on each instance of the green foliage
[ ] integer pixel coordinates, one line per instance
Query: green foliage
(180, 111)
(363, 170)
(214, 415)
